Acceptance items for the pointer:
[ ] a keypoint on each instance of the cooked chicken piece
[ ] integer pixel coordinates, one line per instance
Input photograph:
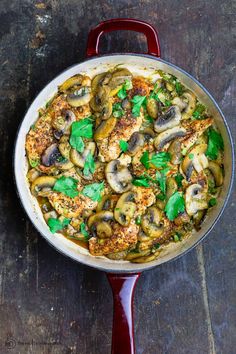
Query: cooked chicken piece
(122, 239)
(39, 137)
(196, 129)
(109, 148)
(70, 207)
(144, 199)
(60, 104)
(140, 87)
(137, 165)
(168, 227)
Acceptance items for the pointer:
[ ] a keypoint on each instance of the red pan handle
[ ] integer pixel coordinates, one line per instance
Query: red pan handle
(129, 24)
(123, 332)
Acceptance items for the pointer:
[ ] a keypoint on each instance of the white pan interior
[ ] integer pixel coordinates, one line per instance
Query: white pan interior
(143, 65)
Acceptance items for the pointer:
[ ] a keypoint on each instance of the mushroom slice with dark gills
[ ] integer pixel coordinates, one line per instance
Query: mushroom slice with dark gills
(195, 198)
(153, 107)
(105, 129)
(50, 155)
(75, 81)
(195, 159)
(79, 159)
(118, 176)
(135, 143)
(99, 223)
(100, 98)
(79, 97)
(152, 223)
(171, 118)
(175, 152)
(100, 80)
(190, 98)
(125, 208)
(62, 123)
(42, 185)
(119, 77)
(165, 137)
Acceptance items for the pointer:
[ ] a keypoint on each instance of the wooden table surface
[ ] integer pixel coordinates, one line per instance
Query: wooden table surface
(50, 304)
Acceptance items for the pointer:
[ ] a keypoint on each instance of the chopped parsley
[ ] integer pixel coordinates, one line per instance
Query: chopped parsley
(141, 182)
(148, 118)
(67, 186)
(123, 145)
(117, 110)
(122, 93)
(89, 165)
(56, 224)
(34, 163)
(212, 202)
(137, 101)
(215, 144)
(191, 156)
(145, 159)
(199, 110)
(161, 178)
(179, 88)
(175, 205)
(79, 129)
(138, 220)
(93, 191)
(179, 179)
(83, 230)
(160, 159)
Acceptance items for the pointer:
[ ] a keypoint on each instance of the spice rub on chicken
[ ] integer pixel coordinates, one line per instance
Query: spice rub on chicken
(125, 164)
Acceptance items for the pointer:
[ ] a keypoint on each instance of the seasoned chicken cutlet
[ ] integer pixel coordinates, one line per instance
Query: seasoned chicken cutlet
(122, 239)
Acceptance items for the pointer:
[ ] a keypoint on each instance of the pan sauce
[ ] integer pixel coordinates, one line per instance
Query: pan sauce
(124, 165)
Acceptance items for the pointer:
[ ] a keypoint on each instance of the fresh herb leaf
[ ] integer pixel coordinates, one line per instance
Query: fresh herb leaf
(82, 128)
(145, 159)
(117, 110)
(177, 237)
(77, 143)
(137, 101)
(179, 88)
(93, 191)
(167, 103)
(34, 163)
(161, 196)
(141, 182)
(215, 144)
(148, 118)
(128, 84)
(179, 179)
(123, 145)
(67, 186)
(175, 205)
(156, 246)
(89, 165)
(56, 224)
(200, 108)
(122, 94)
(191, 156)
(160, 159)
(83, 230)
(161, 178)
(212, 202)
(138, 220)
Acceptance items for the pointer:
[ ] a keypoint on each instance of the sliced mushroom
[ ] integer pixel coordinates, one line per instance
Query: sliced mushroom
(100, 98)
(198, 219)
(117, 255)
(64, 148)
(79, 97)
(79, 159)
(99, 222)
(165, 137)
(75, 80)
(182, 219)
(119, 76)
(33, 174)
(195, 159)
(99, 80)
(216, 170)
(171, 187)
(50, 155)
(133, 255)
(175, 152)
(105, 129)
(191, 104)
(144, 259)
(51, 214)
(107, 203)
(195, 199)
(171, 118)
(42, 185)
(107, 110)
(148, 134)
(153, 107)
(177, 101)
(64, 164)
(152, 222)
(125, 208)
(135, 142)
(118, 176)
(63, 123)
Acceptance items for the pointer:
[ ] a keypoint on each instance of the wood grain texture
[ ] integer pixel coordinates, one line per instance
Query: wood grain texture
(51, 305)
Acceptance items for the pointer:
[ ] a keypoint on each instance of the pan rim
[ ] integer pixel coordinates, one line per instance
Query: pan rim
(138, 269)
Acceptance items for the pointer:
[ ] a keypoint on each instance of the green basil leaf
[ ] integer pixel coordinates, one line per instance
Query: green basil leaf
(67, 186)
(93, 191)
(123, 145)
(56, 224)
(175, 205)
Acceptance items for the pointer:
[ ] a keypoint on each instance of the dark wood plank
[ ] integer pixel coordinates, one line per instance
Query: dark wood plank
(49, 304)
